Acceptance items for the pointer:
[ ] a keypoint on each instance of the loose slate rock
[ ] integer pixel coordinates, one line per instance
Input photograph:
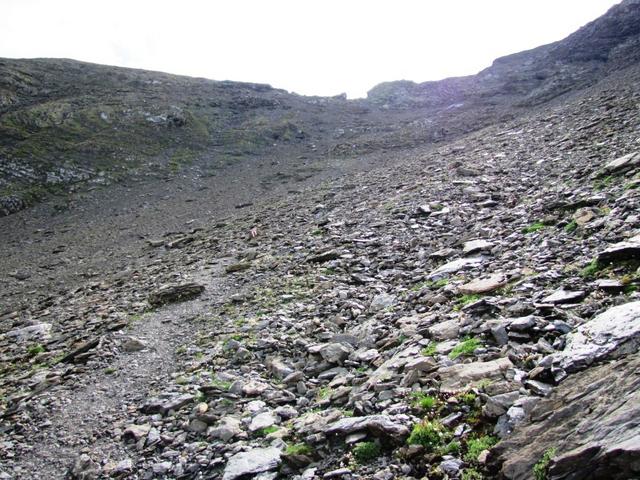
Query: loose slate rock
(484, 285)
(617, 252)
(175, 293)
(613, 333)
(254, 461)
(564, 296)
(475, 246)
(380, 424)
(623, 163)
(454, 266)
(468, 375)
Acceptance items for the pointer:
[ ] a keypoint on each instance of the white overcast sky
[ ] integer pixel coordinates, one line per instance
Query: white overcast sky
(313, 47)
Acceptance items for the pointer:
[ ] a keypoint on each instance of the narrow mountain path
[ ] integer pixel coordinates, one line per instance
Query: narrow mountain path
(89, 417)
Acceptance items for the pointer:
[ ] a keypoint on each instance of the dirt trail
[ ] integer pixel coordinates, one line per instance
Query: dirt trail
(89, 416)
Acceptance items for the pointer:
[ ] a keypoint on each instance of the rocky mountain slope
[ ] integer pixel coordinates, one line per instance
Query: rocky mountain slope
(66, 124)
(465, 309)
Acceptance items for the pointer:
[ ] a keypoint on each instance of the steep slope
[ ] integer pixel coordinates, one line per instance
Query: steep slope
(468, 309)
(66, 123)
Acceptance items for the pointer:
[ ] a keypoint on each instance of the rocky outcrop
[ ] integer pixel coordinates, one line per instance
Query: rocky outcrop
(590, 422)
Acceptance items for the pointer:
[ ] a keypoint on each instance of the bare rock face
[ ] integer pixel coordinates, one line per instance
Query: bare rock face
(591, 421)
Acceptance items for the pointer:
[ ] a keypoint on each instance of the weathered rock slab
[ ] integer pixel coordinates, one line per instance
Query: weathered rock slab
(613, 333)
(254, 461)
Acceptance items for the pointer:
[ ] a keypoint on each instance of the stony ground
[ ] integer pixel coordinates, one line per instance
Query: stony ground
(423, 319)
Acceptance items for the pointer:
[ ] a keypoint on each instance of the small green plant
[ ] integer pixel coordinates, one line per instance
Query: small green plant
(430, 350)
(541, 468)
(476, 446)
(324, 392)
(451, 448)
(465, 348)
(35, 350)
(221, 384)
(109, 370)
(471, 474)
(590, 270)
(365, 452)
(467, 299)
(263, 432)
(424, 401)
(182, 349)
(431, 434)
(298, 449)
(469, 398)
(571, 226)
(534, 227)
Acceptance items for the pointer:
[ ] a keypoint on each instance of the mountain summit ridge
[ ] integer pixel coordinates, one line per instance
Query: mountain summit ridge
(66, 124)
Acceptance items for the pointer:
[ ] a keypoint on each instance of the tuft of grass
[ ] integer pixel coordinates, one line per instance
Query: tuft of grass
(430, 350)
(109, 371)
(221, 384)
(365, 452)
(465, 348)
(590, 270)
(424, 401)
(571, 226)
(263, 432)
(534, 227)
(471, 474)
(34, 350)
(467, 299)
(324, 392)
(541, 469)
(298, 449)
(431, 434)
(451, 448)
(476, 446)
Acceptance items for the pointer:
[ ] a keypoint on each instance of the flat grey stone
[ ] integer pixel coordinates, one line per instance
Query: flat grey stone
(254, 461)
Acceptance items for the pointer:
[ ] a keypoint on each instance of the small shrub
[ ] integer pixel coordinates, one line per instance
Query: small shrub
(365, 452)
(465, 348)
(298, 449)
(263, 432)
(534, 227)
(541, 468)
(471, 474)
(590, 270)
(475, 446)
(469, 398)
(35, 350)
(571, 226)
(424, 401)
(429, 434)
(451, 448)
(430, 350)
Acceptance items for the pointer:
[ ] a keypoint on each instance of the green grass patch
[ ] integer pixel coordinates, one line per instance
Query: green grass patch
(476, 446)
(431, 434)
(571, 227)
(465, 348)
(263, 432)
(471, 474)
(592, 269)
(365, 452)
(534, 227)
(424, 401)
(467, 299)
(34, 350)
(298, 449)
(541, 469)
(430, 350)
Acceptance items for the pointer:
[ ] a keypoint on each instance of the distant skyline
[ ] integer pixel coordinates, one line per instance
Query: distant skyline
(312, 48)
